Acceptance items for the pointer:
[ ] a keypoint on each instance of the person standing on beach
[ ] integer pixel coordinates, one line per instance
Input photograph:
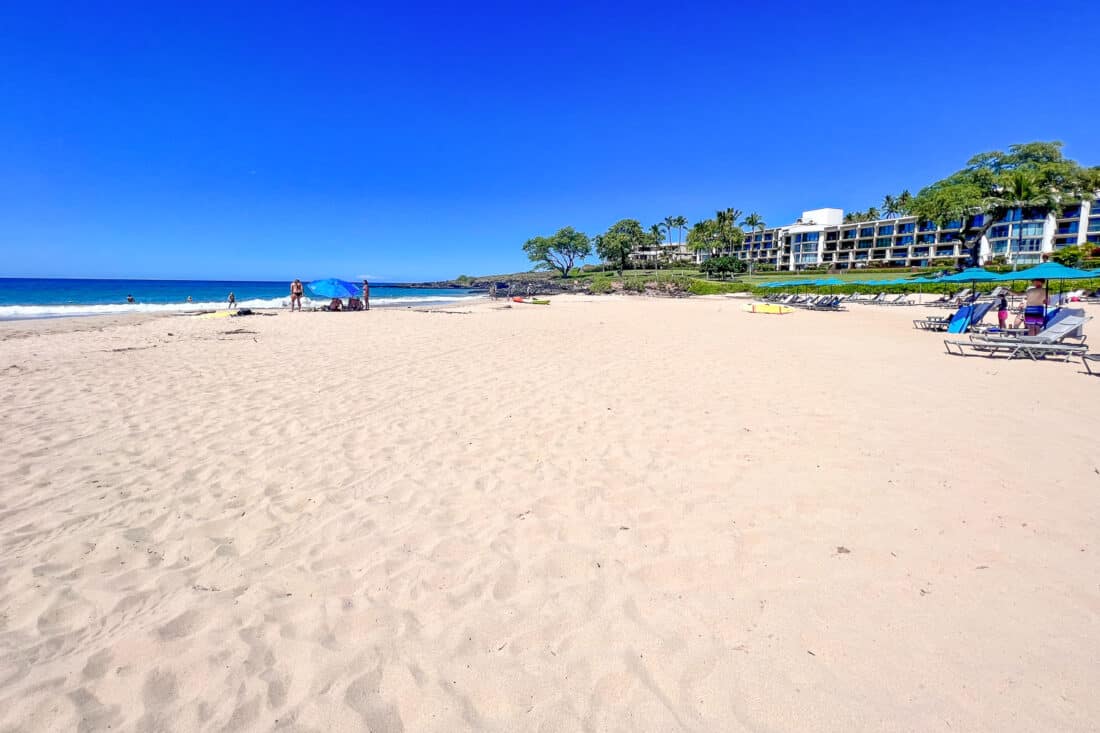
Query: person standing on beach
(1002, 311)
(296, 294)
(1035, 307)
(232, 301)
(366, 295)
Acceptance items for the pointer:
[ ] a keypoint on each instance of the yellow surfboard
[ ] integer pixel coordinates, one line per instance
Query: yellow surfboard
(773, 308)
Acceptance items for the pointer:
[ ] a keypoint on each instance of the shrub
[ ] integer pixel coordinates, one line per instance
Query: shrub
(710, 287)
(600, 285)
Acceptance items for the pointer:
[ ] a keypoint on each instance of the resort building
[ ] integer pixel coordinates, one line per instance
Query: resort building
(821, 238)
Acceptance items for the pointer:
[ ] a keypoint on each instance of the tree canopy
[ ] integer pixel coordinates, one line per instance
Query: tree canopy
(560, 251)
(1029, 174)
(622, 238)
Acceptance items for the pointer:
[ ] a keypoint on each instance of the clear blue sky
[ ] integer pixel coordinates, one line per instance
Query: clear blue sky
(273, 140)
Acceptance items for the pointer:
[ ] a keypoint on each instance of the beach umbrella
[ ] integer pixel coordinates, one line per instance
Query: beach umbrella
(970, 275)
(1049, 271)
(333, 288)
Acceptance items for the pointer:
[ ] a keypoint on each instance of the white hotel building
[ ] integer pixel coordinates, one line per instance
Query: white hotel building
(821, 238)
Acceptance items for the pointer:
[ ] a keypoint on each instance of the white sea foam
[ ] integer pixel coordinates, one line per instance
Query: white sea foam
(13, 312)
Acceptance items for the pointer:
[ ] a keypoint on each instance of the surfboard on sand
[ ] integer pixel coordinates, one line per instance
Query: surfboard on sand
(773, 308)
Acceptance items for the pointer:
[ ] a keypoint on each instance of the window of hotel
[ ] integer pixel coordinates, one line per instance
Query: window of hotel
(1071, 212)
(865, 244)
(953, 224)
(927, 226)
(1029, 230)
(1069, 227)
(904, 241)
(1094, 224)
(999, 247)
(907, 228)
(927, 238)
(886, 230)
(1011, 215)
(831, 236)
(978, 220)
(920, 252)
(867, 232)
(1064, 242)
(849, 234)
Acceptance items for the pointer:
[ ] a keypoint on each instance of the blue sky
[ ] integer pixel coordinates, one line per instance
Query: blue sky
(408, 141)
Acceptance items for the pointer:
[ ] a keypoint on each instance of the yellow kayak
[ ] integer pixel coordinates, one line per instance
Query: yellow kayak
(773, 308)
(215, 314)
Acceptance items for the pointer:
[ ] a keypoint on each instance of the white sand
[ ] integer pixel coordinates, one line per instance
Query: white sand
(606, 514)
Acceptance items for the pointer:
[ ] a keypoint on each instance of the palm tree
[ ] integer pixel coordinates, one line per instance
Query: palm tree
(904, 203)
(680, 223)
(656, 233)
(755, 222)
(1020, 189)
(871, 214)
(727, 228)
(889, 206)
(669, 224)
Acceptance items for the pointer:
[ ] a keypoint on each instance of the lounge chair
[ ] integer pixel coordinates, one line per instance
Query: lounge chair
(1054, 319)
(966, 316)
(958, 298)
(936, 323)
(1086, 358)
(1049, 342)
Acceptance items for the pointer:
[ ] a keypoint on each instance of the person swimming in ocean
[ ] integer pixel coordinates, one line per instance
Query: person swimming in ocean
(129, 298)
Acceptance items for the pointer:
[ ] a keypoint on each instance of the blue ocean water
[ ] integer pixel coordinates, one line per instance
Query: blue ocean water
(41, 298)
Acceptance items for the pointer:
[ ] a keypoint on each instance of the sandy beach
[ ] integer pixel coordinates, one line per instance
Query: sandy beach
(609, 514)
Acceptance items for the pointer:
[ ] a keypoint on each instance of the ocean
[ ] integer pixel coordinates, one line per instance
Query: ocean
(46, 298)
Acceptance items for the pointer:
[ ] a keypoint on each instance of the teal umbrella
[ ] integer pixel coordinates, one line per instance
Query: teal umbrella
(1048, 271)
(970, 275)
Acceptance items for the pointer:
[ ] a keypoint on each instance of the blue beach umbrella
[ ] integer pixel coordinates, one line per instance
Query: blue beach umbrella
(970, 275)
(333, 288)
(1048, 271)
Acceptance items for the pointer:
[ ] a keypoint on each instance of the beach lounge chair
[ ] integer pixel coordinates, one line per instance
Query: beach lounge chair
(935, 323)
(827, 303)
(1087, 358)
(1049, 342)
(962, 296)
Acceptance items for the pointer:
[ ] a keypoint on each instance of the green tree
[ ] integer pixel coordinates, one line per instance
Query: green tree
(656, 235)
(904, 203)
(889, 206)
(619, 241)
(755, 223)
(669, 224)
(729, 233)
(1028, 175)
(703, 237)
(560, 251)
(680, 223)
(1069, 256)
